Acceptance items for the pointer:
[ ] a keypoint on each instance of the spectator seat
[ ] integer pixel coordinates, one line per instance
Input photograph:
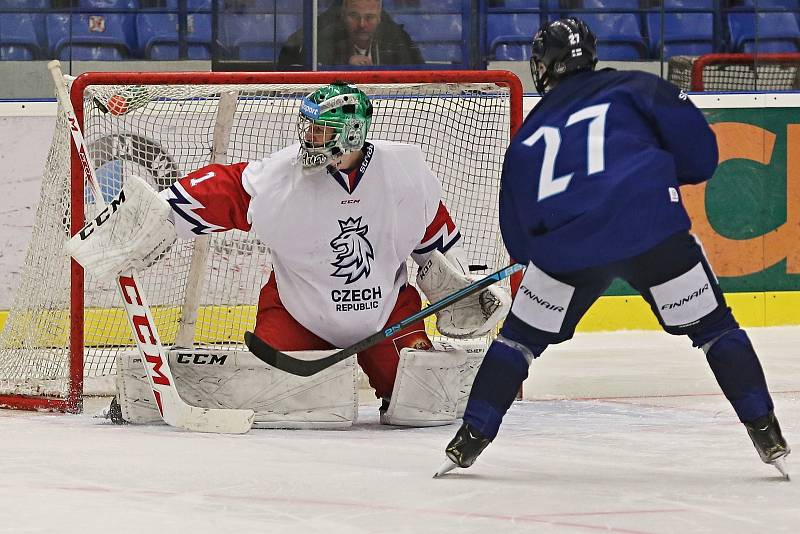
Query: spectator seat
(552, 5)
(788, 5)
(439, 6)
(777, 31)
(619, 37)
(601, 5)
(266, 6)
(22, 35)
(512, 52)
(510, 32)
(256, 36)
(157, 35)
(108, 36)
(111, 5)
(689, 34)
(439, 36)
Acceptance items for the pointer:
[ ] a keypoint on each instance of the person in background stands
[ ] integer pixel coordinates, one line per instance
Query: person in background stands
(355, 32)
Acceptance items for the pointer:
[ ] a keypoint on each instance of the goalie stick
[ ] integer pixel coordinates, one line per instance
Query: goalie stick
(174, 410)
(285, 362)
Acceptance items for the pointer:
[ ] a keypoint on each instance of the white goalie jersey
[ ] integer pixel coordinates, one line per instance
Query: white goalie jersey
(339, 240)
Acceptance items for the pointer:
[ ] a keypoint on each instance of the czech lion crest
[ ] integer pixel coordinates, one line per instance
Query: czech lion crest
(353, 251)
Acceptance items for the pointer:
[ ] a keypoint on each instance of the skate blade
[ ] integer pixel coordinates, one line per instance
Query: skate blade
(780, 465)
(445, 468)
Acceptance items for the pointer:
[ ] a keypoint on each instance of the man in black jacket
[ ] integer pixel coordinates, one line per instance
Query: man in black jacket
(357, 32)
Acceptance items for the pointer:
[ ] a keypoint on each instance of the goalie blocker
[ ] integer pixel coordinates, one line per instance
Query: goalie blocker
(431, 387)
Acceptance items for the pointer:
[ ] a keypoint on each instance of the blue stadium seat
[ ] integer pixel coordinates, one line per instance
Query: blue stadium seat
(19, 39)
(439, 6)
(600, 5)
(619, 37)
(514, 29)
(26, 4)
(431, 28)
(256, 36)
(777, 32)
(552, 5)
(685, 34)
(789, 5)
(100, 5)
(192, 6)
(91, 37)
(441, 52)
(265, 6)
(689, 4)
(439, 36)
(157, 35)
(512, 52)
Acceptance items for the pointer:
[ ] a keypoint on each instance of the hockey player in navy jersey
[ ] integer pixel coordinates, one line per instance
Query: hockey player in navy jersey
(589, 193)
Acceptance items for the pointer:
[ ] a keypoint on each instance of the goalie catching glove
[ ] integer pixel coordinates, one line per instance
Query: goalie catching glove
(130, 233)
(444, 274)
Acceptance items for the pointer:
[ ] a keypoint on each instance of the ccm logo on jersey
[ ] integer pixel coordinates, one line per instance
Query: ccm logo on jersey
(684, 300)
(103, 216)
(539, 300)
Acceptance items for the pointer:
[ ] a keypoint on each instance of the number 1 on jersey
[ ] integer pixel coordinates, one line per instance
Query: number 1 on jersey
(595, 141)
(206, 176)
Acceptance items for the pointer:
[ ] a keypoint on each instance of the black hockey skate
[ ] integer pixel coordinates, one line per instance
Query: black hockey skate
(463, 449)
(769, 442)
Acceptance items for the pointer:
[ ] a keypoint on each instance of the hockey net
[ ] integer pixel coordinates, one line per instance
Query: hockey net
(736, 72)
(63, 332)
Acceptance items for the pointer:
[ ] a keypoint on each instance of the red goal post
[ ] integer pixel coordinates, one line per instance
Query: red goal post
(62, 329)
(736, 72)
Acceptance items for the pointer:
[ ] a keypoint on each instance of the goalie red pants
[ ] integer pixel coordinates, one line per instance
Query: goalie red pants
(281, 331)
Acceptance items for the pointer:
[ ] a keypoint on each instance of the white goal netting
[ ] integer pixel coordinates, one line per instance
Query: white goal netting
(462, 128)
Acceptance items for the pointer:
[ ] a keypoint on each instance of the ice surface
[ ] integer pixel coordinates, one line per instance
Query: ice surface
(624, 432)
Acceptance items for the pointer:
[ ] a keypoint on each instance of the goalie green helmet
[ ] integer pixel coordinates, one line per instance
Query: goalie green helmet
(334, 120)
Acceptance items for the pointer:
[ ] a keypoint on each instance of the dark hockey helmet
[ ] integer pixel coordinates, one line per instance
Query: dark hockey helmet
(564, 46)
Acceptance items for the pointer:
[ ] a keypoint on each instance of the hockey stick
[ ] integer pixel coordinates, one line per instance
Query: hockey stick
(285, 362)
(173, 409)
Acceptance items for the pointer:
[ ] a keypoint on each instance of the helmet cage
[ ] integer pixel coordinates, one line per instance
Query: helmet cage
(341, 114)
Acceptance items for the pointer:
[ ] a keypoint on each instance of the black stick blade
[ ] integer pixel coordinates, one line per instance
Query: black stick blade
(284, 362)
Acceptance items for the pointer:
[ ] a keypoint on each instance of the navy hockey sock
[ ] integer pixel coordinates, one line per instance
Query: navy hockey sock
(496, 385)
(739, 374)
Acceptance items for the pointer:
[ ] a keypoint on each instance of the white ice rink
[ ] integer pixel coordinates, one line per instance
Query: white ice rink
(625, 432)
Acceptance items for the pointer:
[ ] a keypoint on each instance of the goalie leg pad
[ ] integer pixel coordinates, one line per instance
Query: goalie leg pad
(231, 379)
(432, 386)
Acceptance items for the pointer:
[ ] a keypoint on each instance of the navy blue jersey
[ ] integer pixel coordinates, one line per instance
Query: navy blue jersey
(592, 175)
